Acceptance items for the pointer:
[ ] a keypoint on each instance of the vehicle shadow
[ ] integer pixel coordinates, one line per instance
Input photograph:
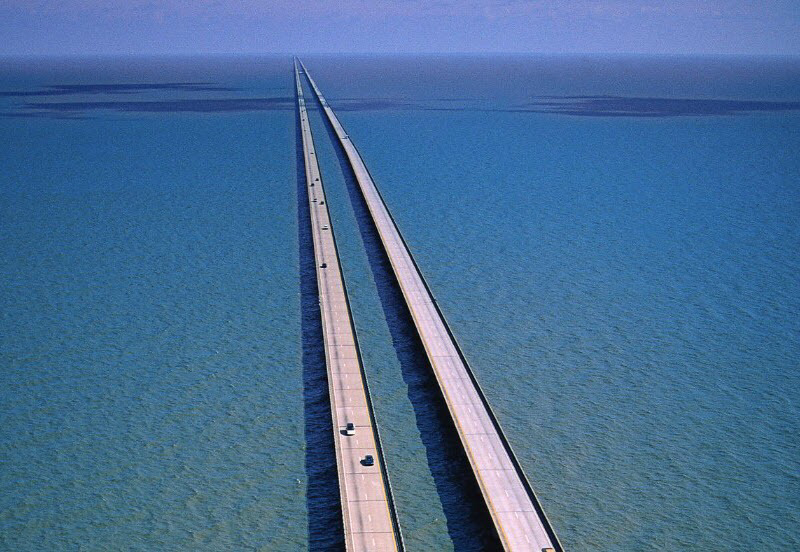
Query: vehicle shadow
(468, 520)
(325, 529)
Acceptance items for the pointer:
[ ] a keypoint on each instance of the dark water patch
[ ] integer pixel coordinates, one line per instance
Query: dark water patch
(582, 105)
(388, 104)
(374, 104)
(325, 528)
(118, 88)
(41, 115)
(338, 101)
(619, 106)
(468, 521)
(226, 105)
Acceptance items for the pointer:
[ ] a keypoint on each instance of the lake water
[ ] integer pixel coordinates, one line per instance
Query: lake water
(614, 240)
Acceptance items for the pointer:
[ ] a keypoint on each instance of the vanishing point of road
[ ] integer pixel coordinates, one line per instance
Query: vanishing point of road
(515, 510)
(370, 521)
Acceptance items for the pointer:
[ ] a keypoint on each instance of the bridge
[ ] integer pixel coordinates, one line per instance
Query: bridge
(518, 517)
(369, 517)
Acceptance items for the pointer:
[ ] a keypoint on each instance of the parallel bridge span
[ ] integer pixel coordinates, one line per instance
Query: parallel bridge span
(515, 510)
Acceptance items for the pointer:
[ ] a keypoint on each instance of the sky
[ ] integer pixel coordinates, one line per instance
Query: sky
(102, 27)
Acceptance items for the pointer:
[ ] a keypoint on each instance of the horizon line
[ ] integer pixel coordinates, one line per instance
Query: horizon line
(387, 54)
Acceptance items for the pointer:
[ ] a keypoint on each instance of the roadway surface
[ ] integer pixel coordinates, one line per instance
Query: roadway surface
(516, 512)
(370, 523)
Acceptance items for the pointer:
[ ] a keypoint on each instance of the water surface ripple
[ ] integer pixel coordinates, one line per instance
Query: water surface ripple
(625, 287)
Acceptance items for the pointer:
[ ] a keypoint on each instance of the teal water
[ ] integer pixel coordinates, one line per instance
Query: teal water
(150, 334)
(622, 279)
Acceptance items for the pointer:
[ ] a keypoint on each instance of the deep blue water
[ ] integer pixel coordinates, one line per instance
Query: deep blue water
(613, 239)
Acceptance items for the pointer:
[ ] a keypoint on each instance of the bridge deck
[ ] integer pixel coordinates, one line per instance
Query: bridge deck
(370, 523)
(520, 521)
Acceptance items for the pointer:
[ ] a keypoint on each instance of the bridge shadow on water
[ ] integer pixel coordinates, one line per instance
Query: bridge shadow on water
(325, 529)
(468, 520)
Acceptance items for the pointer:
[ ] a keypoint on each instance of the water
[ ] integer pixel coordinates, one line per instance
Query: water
(625, 288)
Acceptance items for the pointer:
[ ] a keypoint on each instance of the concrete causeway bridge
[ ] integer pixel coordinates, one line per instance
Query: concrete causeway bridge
(370, 521)
(515, 510)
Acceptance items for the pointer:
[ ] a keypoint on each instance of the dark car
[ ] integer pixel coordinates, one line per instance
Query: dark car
(368, 460)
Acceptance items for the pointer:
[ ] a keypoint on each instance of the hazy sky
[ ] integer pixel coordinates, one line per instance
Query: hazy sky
(200, 26)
